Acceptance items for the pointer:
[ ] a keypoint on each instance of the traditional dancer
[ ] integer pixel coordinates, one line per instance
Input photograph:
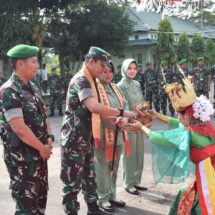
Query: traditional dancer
(194, 138)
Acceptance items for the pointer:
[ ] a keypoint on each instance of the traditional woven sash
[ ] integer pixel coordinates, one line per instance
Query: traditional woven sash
(96, 121)
(187, 199)
(109, 133)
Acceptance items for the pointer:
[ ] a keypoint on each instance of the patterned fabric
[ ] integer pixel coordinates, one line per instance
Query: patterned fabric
(151, 88)
(109, 134)
(77, 168)
(56, 87)
(201, 81)
(164, 99)
(28, 172)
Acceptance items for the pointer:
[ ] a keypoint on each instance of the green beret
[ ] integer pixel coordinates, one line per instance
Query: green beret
(182, 61)
(99, 54)
(163, 63)
(200, 59)
(23, 51)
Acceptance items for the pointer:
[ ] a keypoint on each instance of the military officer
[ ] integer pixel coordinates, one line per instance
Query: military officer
(201, 78)
(78, 128)
(118, 76)
(67, 79)
(56, 87)
(151, 86)
(167, 76)
(183, 64)
(26, 132)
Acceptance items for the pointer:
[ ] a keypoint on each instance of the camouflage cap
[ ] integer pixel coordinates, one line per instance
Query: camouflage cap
(163, 63)
(23, 51)
(99, 54)
(182, 61)
(200, 58)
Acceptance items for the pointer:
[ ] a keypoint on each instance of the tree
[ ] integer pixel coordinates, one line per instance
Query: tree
(210, 51)
(183, 48)
(90, 23)
(197, 46)
(165, 47)
(123, 2)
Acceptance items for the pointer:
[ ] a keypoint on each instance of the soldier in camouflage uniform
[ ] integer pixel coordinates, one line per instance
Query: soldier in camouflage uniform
(183, 65)
(25, 134)
(77, 167)
(118, 76)
(66, 80)
(170, 78)
(140, 78)
(56, 87)
(151, 86)
(201, 78)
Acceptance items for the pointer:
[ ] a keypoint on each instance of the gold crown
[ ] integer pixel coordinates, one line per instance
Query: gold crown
(181, 95)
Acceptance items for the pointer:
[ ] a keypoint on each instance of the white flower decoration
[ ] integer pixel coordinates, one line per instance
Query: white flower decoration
(202, 109)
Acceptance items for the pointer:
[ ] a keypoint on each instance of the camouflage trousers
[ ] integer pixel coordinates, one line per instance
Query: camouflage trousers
(164, 99)
(29, 186)
(56, 98)
(153, 97)
(77, 172)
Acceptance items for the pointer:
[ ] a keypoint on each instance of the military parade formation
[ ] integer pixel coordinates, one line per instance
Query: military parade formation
(101, 124)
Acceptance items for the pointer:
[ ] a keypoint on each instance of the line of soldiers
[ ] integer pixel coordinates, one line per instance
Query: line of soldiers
(152, 82)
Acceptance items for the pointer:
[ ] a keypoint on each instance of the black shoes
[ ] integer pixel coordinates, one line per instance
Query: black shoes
(93, 209)
(140, 188)
(107, 207)
(117, 203)
(132, 191)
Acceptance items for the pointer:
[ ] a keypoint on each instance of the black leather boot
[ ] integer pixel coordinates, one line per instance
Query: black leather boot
(93, 209)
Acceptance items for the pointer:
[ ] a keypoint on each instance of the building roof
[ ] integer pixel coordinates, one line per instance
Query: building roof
(149, 21)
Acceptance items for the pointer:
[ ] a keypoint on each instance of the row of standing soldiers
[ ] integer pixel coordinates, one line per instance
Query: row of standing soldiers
(153, 80)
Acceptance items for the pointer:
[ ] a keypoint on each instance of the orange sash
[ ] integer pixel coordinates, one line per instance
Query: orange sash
(96, 121)
(109, 133)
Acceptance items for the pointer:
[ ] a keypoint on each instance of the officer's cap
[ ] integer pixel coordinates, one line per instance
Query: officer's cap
(200, 59)
(99, 54)
(163, 63)
(23, 51)
(182, 61)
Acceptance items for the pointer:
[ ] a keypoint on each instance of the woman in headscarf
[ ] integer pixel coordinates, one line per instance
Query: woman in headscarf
(112, 140)
(133, 164)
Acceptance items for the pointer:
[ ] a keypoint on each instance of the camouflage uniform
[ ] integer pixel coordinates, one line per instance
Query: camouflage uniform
(140, 78)
(151, 88)
(55, 85)
(117, 78)
(77, 167)
(28, 172)
(201, 81)
(66, 81)
(164, 98)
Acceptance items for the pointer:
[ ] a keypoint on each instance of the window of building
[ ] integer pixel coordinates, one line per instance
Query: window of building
(136, 37)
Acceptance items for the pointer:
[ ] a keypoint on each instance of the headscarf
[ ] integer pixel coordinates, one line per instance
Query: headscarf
(125, 66)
